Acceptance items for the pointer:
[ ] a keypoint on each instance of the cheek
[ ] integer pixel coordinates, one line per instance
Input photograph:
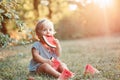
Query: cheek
(43, 33)
(39, 34)
(53, 32)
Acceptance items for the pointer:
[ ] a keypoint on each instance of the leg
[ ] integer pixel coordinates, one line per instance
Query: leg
(65, 72)
(46, 68)
(62, 67)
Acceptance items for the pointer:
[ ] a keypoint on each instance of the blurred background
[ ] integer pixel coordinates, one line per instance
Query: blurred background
(73, 19)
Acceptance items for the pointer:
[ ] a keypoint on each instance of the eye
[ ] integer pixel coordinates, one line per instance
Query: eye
(44, 29)
(50, 29)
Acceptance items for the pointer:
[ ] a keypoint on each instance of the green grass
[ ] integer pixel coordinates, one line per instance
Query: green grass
(102, 53)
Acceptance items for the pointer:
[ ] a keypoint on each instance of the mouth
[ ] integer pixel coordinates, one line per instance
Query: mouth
(49, 40)
(48, 35)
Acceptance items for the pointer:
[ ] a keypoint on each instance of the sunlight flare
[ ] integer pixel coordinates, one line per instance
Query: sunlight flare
(73, 7)
(103, 3)
(100, 3)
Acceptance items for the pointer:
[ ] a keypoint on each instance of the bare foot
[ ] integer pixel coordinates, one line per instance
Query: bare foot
(31, 78)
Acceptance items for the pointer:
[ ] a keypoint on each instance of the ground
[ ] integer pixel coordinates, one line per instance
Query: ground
(102, 52)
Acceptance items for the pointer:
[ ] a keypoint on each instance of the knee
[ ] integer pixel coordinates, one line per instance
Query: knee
(45, 66)
(42, 68)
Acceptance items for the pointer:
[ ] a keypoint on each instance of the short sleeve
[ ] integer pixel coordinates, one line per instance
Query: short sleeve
(35, 45)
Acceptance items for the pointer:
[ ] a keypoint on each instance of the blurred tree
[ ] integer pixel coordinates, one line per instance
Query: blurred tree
(8, 13)
(53, 9)
(89, 20)
(36, 4)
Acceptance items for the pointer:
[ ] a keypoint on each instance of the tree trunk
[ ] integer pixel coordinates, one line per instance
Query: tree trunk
(35, 4)
(3, 29)
(50, 10)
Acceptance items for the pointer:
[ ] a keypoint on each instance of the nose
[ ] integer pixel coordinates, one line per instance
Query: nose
(48, 31)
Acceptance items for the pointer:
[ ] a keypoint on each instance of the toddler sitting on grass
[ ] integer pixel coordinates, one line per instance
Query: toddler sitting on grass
(42, 53)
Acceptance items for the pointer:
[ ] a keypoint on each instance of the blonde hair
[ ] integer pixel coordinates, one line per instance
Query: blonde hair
(44, 22)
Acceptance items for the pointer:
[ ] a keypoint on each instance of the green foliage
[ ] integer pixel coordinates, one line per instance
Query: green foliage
(8, 12)
(4, 40)
(21, 25)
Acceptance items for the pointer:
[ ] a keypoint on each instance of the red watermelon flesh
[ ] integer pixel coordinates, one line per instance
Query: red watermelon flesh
(55, 63)
(90, 69)
(65, 75)
(50, 41)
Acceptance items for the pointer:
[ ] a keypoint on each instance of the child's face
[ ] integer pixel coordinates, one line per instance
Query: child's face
(46, 31)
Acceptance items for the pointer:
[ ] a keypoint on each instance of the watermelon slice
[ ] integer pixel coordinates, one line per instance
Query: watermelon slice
(50, 41)
(65, 75)
(55, 63)
(90, 69)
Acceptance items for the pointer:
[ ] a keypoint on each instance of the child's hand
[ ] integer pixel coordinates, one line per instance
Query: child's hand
(57, 44)
(55, 63)
(58, 47)
(49, 62)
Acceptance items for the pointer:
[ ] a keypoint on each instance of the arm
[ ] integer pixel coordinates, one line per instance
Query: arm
(38, 58)
(58, 47)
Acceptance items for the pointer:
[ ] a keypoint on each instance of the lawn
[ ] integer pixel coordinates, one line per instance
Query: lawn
(102, 53)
